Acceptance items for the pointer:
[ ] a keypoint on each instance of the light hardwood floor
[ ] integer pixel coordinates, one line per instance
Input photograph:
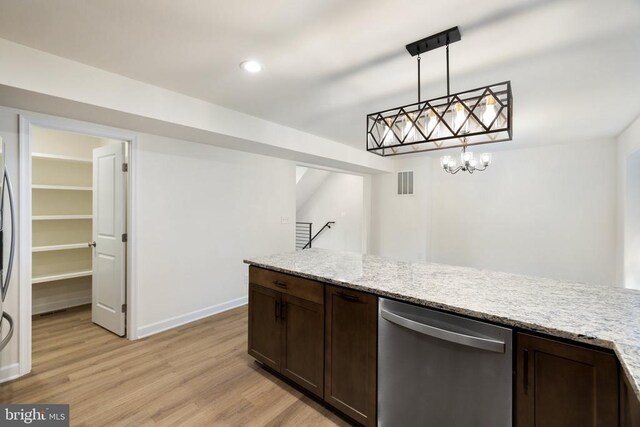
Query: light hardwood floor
(195, 375)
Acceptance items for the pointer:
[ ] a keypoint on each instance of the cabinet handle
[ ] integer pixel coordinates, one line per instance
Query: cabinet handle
(349, 297)
(280, 284)
(526, 371)
(277, 309)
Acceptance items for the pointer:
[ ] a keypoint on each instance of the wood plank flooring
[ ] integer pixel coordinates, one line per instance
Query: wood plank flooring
(195, 375)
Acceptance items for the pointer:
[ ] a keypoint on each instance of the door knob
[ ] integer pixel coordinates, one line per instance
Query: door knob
(91, 244)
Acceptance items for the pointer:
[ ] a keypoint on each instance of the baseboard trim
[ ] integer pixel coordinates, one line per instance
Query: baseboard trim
(9, 373)
(163, 325)
(61, 305)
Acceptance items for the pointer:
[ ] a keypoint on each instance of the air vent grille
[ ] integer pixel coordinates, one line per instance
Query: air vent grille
(405, 183)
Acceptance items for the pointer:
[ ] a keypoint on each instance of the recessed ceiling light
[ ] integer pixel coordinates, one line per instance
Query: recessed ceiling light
(251, 66)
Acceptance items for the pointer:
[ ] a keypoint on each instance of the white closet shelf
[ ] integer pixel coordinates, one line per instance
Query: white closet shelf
(59, 247)
(59, 217)
(54, 277)
(60, 187)
(61, 157)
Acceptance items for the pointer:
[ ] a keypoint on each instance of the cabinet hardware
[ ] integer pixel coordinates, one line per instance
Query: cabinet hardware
(526, 371)
(280, 284)
(349, 297)
(276, 309)
(91, 244)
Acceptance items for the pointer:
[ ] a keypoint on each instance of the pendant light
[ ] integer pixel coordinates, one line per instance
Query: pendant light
(472, 117)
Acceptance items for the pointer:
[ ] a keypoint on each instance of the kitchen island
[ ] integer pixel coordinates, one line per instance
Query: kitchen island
(597, 317)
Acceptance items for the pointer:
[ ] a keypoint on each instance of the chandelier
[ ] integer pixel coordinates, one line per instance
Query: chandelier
(472, 117)
(467, 162)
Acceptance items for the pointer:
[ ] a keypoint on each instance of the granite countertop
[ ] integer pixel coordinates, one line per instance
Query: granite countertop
(603, 316)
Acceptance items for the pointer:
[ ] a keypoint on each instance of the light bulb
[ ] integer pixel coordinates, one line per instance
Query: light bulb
(409, 131)
(459, 117)
(452, 164)
(431, 123)
(485, 159)
(467, 157)
(490, 110)
(388, 135)
(444, 161)
(473, 163)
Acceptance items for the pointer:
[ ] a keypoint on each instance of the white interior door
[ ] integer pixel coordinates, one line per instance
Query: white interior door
(108, 285)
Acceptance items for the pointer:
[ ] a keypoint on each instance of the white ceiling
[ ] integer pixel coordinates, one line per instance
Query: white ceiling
(574, 64)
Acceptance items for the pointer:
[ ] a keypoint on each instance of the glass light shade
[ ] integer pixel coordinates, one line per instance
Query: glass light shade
(452, 164)
(444, 161)
(485, 159)
(459, 116)
(388, 139)
(409, 131)
(490, 110)
(431, 120)
(467, 156)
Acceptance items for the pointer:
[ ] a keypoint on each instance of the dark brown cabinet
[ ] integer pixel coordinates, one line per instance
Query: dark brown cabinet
(564, 385)
(286, 326)
(351, 353)
(265, 330)
(629, 404)
(303, 343)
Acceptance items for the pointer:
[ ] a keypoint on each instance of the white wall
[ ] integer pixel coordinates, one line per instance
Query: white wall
(629, 206)
(400, 225)
(201, 211)
(548, 211)
(339, 197)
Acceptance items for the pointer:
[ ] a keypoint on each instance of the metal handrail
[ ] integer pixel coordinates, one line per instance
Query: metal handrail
(327, 225)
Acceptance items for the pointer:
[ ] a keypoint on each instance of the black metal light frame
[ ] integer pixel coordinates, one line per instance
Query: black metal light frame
(443, 134)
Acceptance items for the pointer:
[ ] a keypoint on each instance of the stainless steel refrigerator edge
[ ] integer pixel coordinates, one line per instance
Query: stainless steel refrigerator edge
(438, 369)
(5, 275)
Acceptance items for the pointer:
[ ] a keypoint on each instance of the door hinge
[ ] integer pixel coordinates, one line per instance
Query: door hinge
(124, 308)
(124, 237)
(125, 167)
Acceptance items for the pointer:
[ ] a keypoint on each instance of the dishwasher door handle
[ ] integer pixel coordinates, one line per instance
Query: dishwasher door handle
(443, 334)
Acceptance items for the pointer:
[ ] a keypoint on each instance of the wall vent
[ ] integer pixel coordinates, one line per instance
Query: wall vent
(405, 183)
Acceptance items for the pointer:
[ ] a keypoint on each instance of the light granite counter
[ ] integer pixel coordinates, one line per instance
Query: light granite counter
(603, 316)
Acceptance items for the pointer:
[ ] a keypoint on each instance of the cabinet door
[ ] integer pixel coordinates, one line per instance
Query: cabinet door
(564, 385)
(303, 343)
(350, 353)
(265, 330)
(629, 404)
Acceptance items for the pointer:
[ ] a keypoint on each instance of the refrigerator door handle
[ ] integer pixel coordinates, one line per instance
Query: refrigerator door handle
(443, 334)
(6, 339)
(12, 250)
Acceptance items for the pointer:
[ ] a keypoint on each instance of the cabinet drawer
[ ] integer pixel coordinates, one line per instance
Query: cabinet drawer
(296, 286)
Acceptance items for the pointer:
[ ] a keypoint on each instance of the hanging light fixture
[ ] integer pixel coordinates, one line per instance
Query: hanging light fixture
(472, 117)
(467, 162)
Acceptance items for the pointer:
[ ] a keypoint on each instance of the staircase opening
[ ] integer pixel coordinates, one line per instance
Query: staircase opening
(329, 210)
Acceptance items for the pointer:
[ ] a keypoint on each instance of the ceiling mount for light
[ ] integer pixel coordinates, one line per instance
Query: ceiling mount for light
(471, 117)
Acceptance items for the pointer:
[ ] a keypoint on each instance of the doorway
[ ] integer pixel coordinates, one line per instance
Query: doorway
(330, 210)
(74, 211)
(632, 222)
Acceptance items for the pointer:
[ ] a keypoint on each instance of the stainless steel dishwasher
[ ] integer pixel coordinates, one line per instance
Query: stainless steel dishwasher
(438, 369)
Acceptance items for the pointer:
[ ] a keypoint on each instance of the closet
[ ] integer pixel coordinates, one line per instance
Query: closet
(62, 196)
